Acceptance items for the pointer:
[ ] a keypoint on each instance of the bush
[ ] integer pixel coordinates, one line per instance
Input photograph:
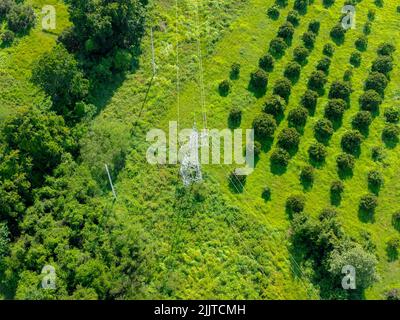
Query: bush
(277, 46)
(5, 7)
(308, 39)
(383, 64)
(368, 203)
(282, 88)
(282, 3)
(295, 203)
(335, 109)
(235, 70)
(259, 79)
(280, 157)
(337, 188)
(355, 59)
(367, 28)
(375, 179)
(328, 50)
(288, 139)
(345, 162)
(314, 26)
(362, 120)
(351, 141)
(371, 15)
(361, 43)
(298, 117)
(370, 100)
(317, 152)
(266, 194)
(286, 31)
(337, 32)
(386, 49)
(264, 126)
(392, 115)
(7, 37)
(391, 133)
(307, 175)
(266, 62)
(300, 54)
(317, 80)
(293, 17)
(273, 12)
(274, 105)
(324, 64)
(309, 100)
(224, 87)
(376, 81)
(235, 116)
(323, 129)
(327, 214)
(377, 153)
(300, 5)
(347, 75)
(292, 70)
(20, 18)
(340, 90)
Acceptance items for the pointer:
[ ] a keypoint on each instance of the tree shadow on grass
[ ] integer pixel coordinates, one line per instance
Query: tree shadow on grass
(392, 253)
(336, 199)
(277, 169)
(366, 216)
(257, 92)
(345, 174)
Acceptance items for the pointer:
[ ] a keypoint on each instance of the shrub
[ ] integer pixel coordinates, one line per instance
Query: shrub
(277, 46)
(273, 12)
(282, 3)
(370, 101)
(391, 133)
(235, 70)
(259, 79)
(337, 188)
(266, 62)
(224, 87)
(264, 126)
(308, 39)
(314, 26)
(293, 17)
(392, 247)
(345, 162)
(371, 15)
(340, 90)
(386, 49)
(317, 152)
(307, 175)
(396, 219)
(292, 70)
(355, 59)
(309, 100)
(300, 54)
(328, 3)
(327, 214)
(280, 157)
(235, 116)
(376, 81)
(7, 37)
(392, 115)
(266, 194)
(274, 105)
(298, 117)
(328, 50)
(351, 141)
(288, 139)
(361, 43)
(286, 31)
(383, 64)
(282, 88)
(337, 32)
(377, 153)
(20, 18)
(362, 120)
(300, 5)
(335, 109)
(295, 203)
(323, 129)
(367, 28)
(324, 64)
(368, 202)
(347, 75)
(257, 149)
(317, 80)
(5, 7)
(375, 179)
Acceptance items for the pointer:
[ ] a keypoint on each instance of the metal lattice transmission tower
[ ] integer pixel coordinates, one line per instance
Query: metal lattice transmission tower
(190, 164)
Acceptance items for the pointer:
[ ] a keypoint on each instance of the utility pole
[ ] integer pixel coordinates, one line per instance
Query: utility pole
(111, 183)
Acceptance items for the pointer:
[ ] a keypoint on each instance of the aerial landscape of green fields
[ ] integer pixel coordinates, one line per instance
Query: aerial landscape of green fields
(84, 213)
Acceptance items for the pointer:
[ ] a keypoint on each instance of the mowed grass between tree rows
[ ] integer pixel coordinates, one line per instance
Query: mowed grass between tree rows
(208, 249)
